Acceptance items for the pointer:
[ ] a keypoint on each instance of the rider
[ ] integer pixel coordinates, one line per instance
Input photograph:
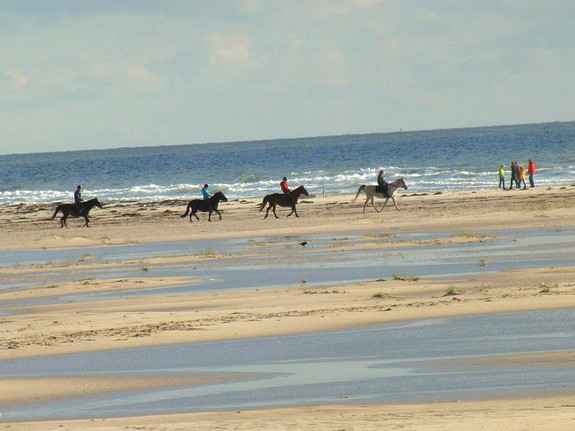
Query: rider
(382, 183)
(207, 195)
(285, 187)
(78, 199)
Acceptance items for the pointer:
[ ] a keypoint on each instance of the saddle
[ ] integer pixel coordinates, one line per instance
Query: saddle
(382, 190)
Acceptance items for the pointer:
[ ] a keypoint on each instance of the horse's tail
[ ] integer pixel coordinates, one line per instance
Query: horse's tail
(187, 210)
(58, 208)
(361, 189)
(264, 202)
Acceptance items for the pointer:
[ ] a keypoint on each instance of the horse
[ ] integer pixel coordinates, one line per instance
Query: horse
(210, 205)
(283, 200)
(370, 193)
(71, 210)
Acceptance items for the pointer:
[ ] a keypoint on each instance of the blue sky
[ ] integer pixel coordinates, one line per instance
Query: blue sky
(103, 74)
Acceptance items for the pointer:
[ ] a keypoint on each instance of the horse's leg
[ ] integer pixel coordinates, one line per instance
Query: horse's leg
(210, 215)
(194, 213)
(274, 210)
(87, 221)
(384, 204)
(365, 204)
(394, 203)
(267, 211)
(63, 221)
(219, 213)
(373, 205)
(293, 211)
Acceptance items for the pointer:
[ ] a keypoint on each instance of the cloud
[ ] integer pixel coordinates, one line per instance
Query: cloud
(18, 79)
(129, 74)
(228, 48)
(250, 6)
(367, 4)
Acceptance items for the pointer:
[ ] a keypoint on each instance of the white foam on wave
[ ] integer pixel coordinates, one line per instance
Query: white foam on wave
(425, 179)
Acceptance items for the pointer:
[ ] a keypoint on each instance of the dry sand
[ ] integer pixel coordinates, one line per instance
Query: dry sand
(111, 324)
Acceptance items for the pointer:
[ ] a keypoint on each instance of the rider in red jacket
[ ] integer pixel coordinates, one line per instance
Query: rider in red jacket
(284, 186)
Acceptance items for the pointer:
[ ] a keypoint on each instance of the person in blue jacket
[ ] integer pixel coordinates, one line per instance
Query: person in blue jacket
(207, 195)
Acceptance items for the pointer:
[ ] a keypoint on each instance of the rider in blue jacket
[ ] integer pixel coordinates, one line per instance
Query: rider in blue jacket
(207, 195)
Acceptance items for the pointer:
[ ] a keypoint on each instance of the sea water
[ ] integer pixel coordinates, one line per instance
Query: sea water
(430, 161)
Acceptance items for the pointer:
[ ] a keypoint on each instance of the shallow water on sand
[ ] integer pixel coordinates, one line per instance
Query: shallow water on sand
(287, 264)
(400, 362)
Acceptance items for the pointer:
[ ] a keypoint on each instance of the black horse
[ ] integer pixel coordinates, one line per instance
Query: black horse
(283, 200)
(71, 210)
(210, 205)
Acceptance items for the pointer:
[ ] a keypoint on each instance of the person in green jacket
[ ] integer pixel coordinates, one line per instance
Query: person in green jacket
(502, 177)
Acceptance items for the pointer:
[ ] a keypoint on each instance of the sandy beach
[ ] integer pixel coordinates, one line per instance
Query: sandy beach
(84, 326)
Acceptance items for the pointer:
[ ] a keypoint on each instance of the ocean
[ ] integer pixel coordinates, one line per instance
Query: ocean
(430, 161)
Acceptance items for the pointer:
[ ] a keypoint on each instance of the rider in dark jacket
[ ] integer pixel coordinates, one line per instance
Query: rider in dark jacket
(78, 199)
(382, 183)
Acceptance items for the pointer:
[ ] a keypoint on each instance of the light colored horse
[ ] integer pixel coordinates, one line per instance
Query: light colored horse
(370, 193)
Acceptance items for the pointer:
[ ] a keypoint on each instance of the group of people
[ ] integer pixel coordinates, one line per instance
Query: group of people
(518, 174)
(284, 186)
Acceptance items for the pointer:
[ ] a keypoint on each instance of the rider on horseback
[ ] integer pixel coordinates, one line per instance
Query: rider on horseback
(78, 200)
(207, 195)
(382, 183)
(285, 188)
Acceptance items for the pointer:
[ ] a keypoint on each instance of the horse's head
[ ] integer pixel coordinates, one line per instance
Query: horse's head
(401, 183)
(97, 203)
(301, 190)
(220, 197)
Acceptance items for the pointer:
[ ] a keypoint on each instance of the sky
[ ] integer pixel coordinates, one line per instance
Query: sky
(84, 74)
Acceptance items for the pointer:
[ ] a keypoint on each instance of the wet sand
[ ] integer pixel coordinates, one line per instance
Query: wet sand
(112, 324)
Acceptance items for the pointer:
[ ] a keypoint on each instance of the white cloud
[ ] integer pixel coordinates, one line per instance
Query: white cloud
(229, 47)
(18, 79)
(277, 68)
(129, 74)
(250, 6)
(367, 4)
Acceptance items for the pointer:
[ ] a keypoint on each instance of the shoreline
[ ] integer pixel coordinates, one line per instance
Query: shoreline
(212, 316)
(554, 413)
(30, 226)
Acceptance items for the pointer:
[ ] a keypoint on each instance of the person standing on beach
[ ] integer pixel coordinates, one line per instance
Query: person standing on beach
(78, 199)
(513, 175)
(531, 171)
(381, 182)
(521, 176)
(502, 177)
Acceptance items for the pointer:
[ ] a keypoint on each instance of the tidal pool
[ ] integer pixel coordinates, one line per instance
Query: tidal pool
(400, 362)
(287, 264)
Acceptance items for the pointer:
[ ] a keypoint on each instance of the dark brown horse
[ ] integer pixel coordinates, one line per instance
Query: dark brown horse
(210, 205)
(283, 200)
(71, 210)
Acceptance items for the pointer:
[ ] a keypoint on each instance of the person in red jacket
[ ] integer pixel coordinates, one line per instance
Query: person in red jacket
(531, 171)
(285, 187)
